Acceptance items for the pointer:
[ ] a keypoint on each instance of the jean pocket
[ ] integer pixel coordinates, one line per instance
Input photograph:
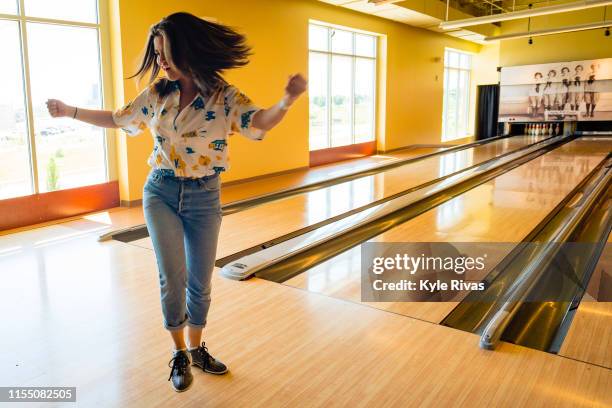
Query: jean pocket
(156, 178)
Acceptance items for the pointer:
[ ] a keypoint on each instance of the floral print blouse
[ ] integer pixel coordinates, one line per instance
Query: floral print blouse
(192, 142)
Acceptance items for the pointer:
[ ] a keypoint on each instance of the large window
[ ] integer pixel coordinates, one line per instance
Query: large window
(50, 50)
(457, 68)
(342, 87)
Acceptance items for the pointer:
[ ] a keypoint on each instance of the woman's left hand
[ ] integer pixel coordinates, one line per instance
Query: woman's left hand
(296, 85)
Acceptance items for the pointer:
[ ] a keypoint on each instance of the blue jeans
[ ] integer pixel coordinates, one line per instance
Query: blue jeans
(183, 217)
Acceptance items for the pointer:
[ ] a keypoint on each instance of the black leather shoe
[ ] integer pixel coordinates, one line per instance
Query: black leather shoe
(200, 357)
(181, 371)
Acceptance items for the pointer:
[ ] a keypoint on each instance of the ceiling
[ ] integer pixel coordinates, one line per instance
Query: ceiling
(428, 14)
(389, 10)
(422, 13)
(478, 8)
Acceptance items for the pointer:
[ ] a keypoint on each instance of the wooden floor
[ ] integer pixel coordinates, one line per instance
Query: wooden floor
(87, 314)
(590, 336)
(81, 313)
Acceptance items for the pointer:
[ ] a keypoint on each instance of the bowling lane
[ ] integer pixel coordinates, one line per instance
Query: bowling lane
(589, 338)
(243, 190)
(256, 225)
(503, 210)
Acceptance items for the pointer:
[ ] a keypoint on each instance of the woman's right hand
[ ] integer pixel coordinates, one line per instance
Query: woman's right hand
(58, 109)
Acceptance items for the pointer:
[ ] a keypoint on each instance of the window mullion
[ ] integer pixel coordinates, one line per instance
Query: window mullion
(450, 71)
(106, 93)
(342, 54)
(463, 97)
(466, 116)
(374, 99)
(101, 79)
(444, 103)
(329, 100)
(353, 63)
(457, 100)
(28, 96)
(10, 17)
(459, 96)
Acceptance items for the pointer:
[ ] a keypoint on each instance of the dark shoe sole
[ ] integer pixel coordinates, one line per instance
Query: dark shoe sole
(210, 372)
(183, 390)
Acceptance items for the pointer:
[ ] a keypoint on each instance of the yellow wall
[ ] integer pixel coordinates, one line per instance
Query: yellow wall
(558, 47)
(485, 64)
(278, 33)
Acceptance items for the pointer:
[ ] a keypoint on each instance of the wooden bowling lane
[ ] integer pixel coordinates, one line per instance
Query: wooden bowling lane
(242, 190)
(503, 210)
(256, 225)
(87, 314)
(590, 335)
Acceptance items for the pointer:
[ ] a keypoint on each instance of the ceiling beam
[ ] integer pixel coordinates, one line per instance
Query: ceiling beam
(538, 11)
(550, 31)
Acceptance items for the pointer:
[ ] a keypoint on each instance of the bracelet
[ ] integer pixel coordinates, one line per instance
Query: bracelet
(75, 112)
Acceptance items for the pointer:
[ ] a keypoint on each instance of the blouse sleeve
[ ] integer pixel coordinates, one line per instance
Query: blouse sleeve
(240, 110)
(134, 116)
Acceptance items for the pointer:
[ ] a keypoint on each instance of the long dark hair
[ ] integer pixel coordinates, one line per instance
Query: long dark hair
(201, 48)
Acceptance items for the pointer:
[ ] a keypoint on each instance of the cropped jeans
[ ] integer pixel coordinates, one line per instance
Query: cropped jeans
(183, 217)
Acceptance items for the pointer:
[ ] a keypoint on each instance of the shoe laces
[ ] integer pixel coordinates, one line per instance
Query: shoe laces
(204, 352)
(179, 364)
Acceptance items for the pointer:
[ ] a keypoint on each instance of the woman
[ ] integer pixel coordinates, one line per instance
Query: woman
(190, 113)
(576, 91)
(550, 90)
(535, 94)
(591, 96)
(563, 88)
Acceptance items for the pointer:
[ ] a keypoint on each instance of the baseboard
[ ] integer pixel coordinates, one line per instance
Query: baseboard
(415, 146)
(40, 208)
(130, 204)
(278, 173)
(341, 153)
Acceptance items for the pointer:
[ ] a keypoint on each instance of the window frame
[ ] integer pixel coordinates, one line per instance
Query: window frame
(329, 54)
(466, 114)
(105, 76)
